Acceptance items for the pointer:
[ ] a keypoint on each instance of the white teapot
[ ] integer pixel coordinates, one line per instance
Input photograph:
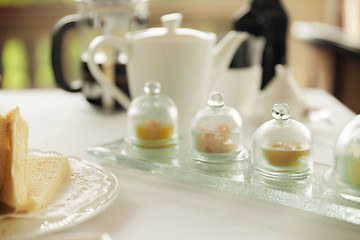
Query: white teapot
(186, 62)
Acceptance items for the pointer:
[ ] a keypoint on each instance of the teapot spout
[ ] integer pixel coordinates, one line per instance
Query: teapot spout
(224, 51)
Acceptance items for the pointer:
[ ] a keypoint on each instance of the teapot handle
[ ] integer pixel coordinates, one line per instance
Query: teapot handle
(60, 29)
(108, 87)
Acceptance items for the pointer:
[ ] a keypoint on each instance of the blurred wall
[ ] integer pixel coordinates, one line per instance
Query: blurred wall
(207, 15)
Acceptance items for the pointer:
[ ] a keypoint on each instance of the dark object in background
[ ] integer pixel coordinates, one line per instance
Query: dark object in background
(265, 18)
(94, 18)
(87, 83)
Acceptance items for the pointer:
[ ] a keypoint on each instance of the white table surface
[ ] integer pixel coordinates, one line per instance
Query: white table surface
(154, 207)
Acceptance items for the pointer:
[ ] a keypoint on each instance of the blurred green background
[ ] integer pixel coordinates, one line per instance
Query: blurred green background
(26, 27)
(15, 54)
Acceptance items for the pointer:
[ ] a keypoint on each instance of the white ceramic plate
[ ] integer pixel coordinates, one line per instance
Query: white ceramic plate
(87, 192)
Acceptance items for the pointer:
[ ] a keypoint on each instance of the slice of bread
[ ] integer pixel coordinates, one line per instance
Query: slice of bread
(27, 183)
(4, 148)
(44, 175)
(14, 189)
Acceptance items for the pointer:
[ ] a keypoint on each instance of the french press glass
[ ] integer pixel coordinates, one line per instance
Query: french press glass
(97, 17)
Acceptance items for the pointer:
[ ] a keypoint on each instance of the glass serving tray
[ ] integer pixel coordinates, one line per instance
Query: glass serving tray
(310, 194)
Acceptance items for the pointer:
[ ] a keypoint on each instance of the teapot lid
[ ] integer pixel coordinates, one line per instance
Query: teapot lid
(171, 29)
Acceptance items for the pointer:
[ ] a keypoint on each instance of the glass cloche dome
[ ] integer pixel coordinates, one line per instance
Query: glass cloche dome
(344, 175)
(217, 132)
(152, 119)
(282, 147)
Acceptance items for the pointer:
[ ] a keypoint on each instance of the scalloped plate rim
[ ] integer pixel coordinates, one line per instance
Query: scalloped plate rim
(112, 194)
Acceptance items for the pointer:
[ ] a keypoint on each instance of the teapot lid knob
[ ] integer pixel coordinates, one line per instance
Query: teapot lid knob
(172, 21)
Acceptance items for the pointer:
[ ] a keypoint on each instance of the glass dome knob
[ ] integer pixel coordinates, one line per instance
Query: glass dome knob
(281, 111)
(152, 88)
(216, 99)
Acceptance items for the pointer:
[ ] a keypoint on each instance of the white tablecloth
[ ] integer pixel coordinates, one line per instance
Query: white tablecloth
(155, 207)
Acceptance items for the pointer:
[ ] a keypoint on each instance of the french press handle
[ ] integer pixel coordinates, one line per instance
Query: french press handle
(61, 27)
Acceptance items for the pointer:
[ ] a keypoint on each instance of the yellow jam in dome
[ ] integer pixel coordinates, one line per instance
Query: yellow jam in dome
(154, 130)
(285, 154)
(350, 166)
(216, 141)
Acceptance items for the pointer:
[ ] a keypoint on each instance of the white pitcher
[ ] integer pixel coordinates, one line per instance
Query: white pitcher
(185, 61)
